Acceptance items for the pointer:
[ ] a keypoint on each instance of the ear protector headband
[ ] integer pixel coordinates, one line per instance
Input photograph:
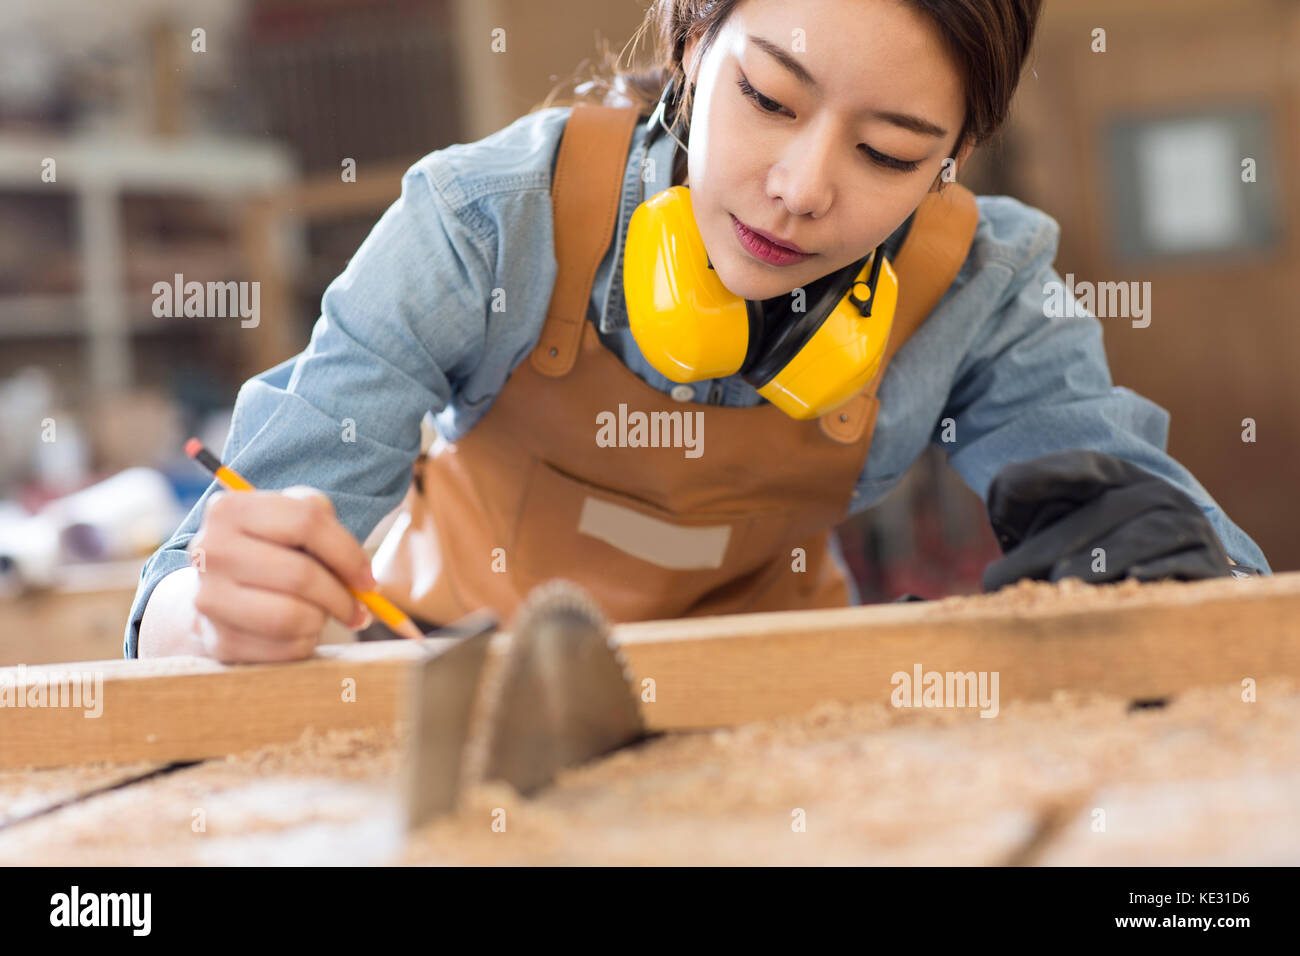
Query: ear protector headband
(808, 352)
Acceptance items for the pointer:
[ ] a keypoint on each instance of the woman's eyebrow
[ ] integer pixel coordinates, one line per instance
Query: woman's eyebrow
(904, 120)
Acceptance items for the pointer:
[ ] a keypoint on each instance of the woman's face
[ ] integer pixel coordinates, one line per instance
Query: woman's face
(820, 161)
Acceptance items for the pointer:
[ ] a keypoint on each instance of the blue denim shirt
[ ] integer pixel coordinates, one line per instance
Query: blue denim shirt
(449, 291)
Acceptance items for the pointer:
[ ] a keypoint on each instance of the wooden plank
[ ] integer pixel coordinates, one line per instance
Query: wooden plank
(187, 708)
(1135, 642)
(1130, 641)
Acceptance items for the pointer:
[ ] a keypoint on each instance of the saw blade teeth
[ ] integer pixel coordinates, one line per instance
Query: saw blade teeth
(556, 597)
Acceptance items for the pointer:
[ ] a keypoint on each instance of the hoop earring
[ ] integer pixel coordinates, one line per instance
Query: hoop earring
(676, 115)
(671, 93)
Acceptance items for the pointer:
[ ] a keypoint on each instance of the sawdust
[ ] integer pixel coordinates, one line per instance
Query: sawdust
(336, 785)
(1027, 595)
(23, 792)
(357, 754)
(1075, 594)
(1206, 779)
(878, 785)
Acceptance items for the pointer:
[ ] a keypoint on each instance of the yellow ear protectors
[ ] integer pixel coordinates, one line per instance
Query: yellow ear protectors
(807, 353)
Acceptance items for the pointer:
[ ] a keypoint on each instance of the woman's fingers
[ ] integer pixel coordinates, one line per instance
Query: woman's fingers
(272, 568)
(233, 645)
(296, 518)
(271, 615)
(255, 563)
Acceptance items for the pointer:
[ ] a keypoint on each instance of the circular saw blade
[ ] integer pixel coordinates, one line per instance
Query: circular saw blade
(566, 696)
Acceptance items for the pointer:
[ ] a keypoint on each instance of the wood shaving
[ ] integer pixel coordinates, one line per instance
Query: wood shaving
(887, 786)
(1070, 594)
(1206, 779)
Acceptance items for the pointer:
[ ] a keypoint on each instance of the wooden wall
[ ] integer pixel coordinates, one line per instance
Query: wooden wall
(1224, 340)
(544, 43)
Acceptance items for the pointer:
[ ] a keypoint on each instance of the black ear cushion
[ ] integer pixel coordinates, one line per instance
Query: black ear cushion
(757, 330)
(787, 331)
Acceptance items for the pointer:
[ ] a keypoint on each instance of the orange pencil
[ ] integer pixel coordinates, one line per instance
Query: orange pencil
(381, 607)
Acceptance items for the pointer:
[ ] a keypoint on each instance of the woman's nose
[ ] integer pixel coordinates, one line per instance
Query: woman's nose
(803, 177)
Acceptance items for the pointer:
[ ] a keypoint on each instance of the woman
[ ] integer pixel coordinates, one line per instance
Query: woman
(809, 136)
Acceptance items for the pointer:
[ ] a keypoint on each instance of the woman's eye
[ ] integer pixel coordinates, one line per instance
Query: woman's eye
(761, 101)
(889, 162)
(768, 105)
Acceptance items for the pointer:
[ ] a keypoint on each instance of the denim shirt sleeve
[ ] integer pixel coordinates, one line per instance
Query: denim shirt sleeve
(1023, 384)
(424, 318)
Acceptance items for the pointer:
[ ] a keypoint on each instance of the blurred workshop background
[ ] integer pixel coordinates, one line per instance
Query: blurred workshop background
(205, 138)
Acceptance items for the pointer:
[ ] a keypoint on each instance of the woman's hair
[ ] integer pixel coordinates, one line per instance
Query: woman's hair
(989, 41)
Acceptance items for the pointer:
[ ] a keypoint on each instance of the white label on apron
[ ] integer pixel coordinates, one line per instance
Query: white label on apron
(658, 542)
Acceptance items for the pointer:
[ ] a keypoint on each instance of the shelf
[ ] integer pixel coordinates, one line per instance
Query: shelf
(58, 316)
(98, 169)
(212, 166)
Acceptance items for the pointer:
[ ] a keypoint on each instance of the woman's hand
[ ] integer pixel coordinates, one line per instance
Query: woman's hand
(272, 567)
(1093, 516)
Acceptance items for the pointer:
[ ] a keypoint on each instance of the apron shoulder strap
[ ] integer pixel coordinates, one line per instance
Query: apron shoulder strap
(585, 192)
(933, 252)
(936, 246)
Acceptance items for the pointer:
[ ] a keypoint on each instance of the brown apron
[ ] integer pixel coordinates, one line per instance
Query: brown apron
(529, 494)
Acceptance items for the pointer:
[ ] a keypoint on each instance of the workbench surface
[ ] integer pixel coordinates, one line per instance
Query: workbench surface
(1207, 778)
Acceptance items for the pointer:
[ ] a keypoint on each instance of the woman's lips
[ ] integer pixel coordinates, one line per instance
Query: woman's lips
(764, 249)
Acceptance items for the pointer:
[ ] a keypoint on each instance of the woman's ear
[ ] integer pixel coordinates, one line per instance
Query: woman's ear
(963, 155)
(688, 56)
(951, 167)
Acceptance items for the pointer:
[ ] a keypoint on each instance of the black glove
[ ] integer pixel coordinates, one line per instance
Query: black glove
(1049, 513)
